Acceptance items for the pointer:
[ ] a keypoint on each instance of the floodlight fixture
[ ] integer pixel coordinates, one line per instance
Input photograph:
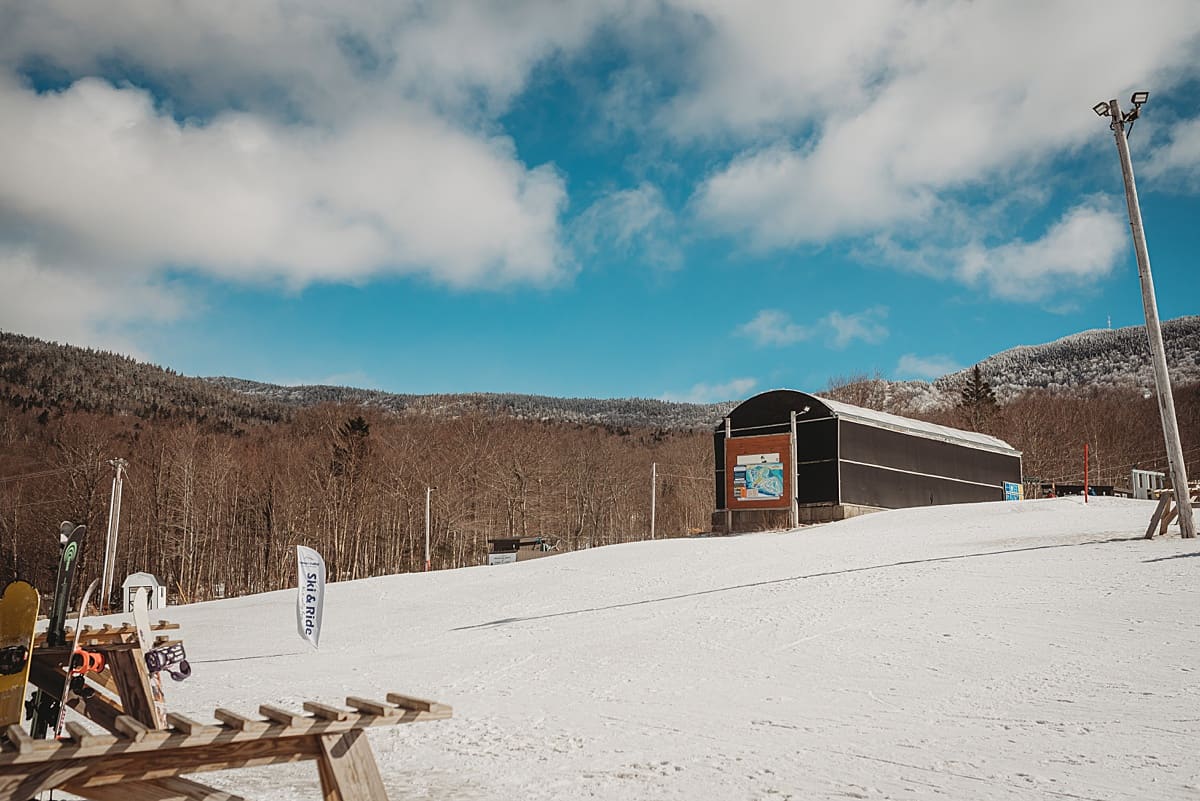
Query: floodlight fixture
(1101, 109)
(1138, 98)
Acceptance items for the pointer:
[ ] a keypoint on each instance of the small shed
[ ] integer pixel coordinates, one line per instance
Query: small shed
(156, 593)
(820, 460)
(505, 550)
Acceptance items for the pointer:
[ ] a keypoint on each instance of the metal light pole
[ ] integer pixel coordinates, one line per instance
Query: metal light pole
(428, 492)
(653, 494)
(1162, 379)
(110, 541)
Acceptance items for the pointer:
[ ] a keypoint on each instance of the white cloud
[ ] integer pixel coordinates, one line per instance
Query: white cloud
(734, 389)
(773, 327)
(879, 115)
(633, 222)
(1082, 247)
(95, 174)
(1178, 161)
(864, 325)
(313, 60)
(929, 367)
(69, 304)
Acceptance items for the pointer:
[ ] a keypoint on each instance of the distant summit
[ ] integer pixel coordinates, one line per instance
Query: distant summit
(1118, 358)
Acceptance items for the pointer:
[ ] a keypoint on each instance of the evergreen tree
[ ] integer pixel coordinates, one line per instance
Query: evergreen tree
(977, 400)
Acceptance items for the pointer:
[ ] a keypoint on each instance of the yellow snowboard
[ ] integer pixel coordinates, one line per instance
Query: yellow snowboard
(18, 618)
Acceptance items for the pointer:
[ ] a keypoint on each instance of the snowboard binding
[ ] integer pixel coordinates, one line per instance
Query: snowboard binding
(83, 662)
(171, 658)
(13, 659)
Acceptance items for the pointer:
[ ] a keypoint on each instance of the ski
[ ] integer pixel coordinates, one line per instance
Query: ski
(72, 538)
(66, 691)
(18, 619)
(43, 706)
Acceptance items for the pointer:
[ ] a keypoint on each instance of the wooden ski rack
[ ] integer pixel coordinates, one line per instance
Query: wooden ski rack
(136, 763)
(1167, 510)
(144, 754)
(107, 634)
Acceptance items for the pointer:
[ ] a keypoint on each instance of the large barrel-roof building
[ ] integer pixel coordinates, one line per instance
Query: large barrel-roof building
(844, 460)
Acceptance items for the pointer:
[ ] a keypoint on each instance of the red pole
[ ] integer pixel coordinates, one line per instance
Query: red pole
(1085, 472)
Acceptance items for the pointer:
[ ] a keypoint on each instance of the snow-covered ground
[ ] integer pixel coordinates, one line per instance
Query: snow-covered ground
(1034, 650)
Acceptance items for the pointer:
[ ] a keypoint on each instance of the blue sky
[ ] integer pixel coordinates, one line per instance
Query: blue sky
(680, 199)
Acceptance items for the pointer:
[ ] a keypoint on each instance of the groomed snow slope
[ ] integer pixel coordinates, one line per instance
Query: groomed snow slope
(1034, 650)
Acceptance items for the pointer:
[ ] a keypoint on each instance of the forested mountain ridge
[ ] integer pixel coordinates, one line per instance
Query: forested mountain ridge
(622, 412)
(58, 378)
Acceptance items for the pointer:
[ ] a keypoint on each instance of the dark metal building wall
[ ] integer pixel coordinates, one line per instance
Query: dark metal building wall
(874, 486)
(816, 461)
(866, 449)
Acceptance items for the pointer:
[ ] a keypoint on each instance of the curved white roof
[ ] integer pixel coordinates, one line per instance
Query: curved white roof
(907, 425)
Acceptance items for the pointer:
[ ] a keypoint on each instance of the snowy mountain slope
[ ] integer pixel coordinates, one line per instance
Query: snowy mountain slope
(1102, 358)
(992, 651)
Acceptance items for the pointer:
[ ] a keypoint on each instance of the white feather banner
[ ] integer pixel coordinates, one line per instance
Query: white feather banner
(310, 594)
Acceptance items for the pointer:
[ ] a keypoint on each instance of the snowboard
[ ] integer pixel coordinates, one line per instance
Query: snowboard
(44, 707)
(66, 691)
(141, 621)
(72, 538)
(18, 619)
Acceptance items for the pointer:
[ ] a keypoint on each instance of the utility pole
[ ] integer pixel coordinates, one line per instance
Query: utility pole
(1162, 379)
(428, 493)
(653, 494)
(110, 540)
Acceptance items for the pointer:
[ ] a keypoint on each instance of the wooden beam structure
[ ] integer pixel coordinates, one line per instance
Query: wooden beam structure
(136, 762)
(145, 751)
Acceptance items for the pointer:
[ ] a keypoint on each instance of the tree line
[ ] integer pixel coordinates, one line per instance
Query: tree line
(213, 513)
(213, 510)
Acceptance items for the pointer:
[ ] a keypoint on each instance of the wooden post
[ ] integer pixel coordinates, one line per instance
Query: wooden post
(728, 505)
(793, 507)
(1158, 515)
(1085, 472)
(348, 770)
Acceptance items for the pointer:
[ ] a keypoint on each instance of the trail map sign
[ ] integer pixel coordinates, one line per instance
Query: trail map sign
(758, 472)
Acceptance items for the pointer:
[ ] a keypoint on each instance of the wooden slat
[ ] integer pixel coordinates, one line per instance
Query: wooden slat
(325, 711)
(86, 739)
(173, 788)
(284, 716)
(186, 725)
(132, 728)
(239, 722)
(369, 707)
(408, 702)
(20, 738)
(134, 762)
